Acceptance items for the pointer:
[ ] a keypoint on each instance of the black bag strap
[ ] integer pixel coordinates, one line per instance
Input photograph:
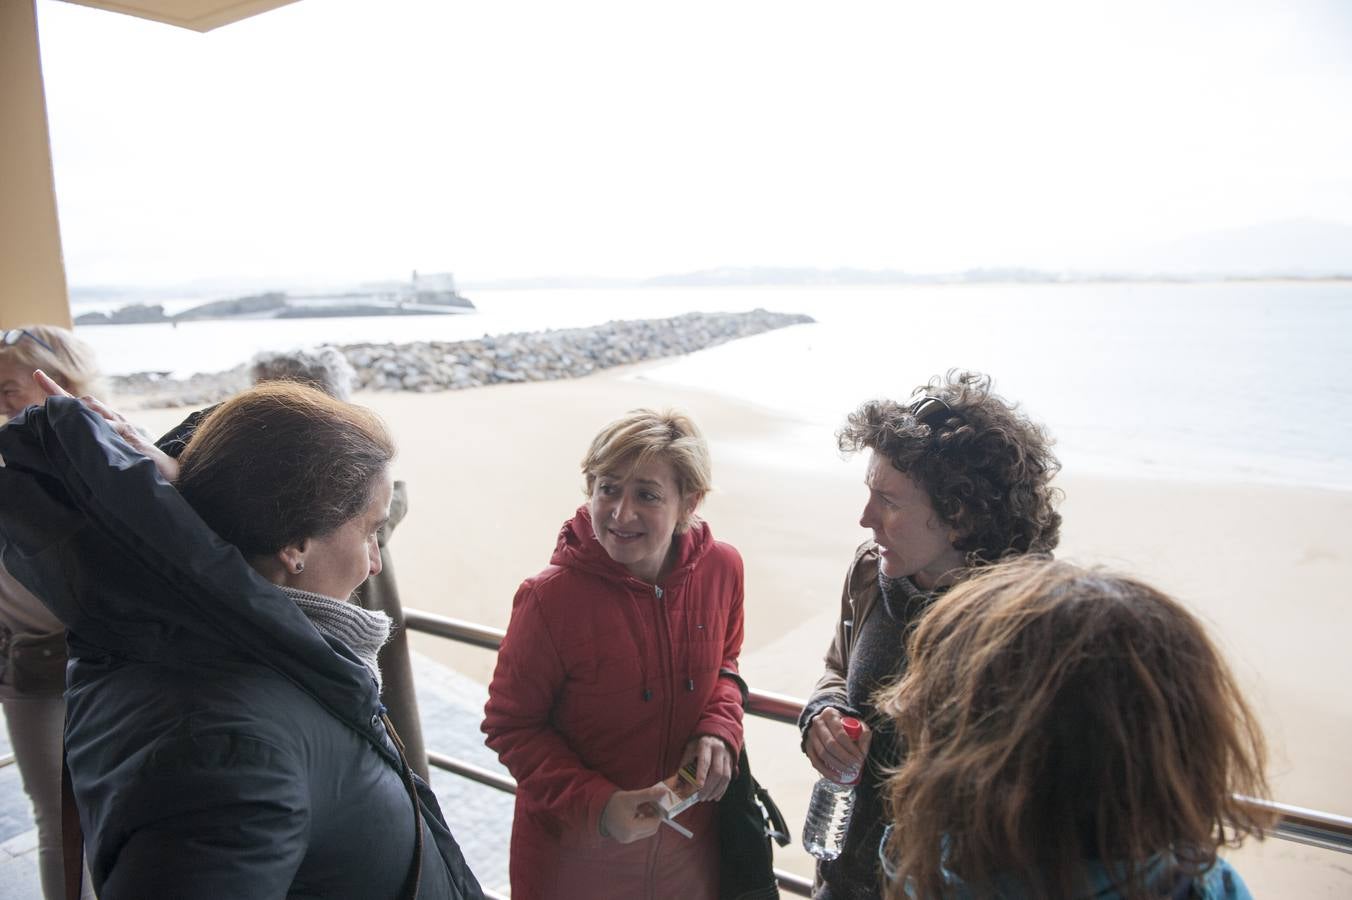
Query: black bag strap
(741, 683)
(415, 872)
(776, 828)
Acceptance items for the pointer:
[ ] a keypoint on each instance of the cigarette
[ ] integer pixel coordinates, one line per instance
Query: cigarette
(679, 829)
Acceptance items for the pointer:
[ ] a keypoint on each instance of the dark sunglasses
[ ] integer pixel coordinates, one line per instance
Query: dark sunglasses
(931, 411)
(14, 335)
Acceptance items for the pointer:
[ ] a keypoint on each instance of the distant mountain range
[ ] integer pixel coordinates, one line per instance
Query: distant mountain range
(748, 277)
(1299, 249)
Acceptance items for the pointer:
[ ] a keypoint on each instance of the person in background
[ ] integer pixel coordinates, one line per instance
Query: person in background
(323, 368)
(620, 667)
(32, 640)
(225, 735)
(1070, 733)
(957, 479)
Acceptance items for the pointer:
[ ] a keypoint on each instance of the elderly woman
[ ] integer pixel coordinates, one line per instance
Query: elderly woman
(956, 479)
(619, 667)
(224, 734)
(32, 640)
(1070, 734)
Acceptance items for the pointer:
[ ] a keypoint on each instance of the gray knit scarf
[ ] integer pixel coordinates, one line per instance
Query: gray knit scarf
(364, 630)
(903, 600)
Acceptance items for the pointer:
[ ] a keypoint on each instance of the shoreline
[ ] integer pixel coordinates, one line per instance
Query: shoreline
(492, 474)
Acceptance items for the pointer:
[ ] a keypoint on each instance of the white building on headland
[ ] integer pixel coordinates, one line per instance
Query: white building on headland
(434, 283)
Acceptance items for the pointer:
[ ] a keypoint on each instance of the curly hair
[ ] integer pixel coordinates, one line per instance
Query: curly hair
(1054, 715)
(986, 467)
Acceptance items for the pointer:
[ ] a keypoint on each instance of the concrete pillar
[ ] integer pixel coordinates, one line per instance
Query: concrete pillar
(32, 271)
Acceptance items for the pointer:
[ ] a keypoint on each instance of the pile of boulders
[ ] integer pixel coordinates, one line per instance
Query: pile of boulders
(498, 359)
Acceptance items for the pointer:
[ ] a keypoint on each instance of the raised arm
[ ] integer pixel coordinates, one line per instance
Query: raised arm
(164, 463)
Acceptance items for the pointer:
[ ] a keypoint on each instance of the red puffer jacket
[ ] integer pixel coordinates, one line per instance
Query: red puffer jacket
(600, 682)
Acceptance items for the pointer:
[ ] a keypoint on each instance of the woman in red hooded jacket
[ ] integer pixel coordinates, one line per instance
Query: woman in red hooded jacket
(608, 681)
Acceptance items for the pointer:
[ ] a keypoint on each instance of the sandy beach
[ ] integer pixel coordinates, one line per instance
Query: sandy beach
(493, 472)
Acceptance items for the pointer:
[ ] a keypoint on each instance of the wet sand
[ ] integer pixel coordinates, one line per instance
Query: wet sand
(493, 472)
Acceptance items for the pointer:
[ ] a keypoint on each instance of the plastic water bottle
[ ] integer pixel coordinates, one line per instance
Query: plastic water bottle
(828, 813)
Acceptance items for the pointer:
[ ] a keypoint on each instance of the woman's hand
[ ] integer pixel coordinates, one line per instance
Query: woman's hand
(830, 749)
(166, 464)
(633, 815)
(713, 765)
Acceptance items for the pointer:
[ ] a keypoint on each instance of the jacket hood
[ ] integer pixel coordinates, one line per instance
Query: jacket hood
(578, 548)
(89, 526)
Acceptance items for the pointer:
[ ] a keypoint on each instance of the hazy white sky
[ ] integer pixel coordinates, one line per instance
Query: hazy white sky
(342, 139)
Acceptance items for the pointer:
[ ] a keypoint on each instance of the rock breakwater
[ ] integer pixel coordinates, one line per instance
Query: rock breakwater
(496, 359)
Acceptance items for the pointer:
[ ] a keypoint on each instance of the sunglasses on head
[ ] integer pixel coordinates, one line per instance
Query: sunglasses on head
(14, 335)
(931, 411)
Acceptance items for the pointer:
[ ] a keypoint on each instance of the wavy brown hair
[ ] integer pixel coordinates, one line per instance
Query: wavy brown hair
(1054, 715)
(282, 462)
(986, 467)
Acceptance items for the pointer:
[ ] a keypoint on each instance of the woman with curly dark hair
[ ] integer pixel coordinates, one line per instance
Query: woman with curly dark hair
(1070, 734)
(957, 479)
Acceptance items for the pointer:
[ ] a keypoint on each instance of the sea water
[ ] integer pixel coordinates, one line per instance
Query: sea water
(1232, 380)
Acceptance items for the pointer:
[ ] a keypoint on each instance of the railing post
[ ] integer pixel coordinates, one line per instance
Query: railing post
(396, 669)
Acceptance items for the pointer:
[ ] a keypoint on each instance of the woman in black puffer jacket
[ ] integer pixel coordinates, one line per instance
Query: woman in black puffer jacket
(225, 736)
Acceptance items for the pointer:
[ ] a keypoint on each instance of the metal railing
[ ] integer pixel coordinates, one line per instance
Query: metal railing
(1292, 823)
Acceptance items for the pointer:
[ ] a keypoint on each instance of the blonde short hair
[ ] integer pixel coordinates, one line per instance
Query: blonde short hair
(641, 435)
(70, 362)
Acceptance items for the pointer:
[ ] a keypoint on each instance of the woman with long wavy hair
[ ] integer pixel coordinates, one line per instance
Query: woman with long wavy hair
(1069, 733)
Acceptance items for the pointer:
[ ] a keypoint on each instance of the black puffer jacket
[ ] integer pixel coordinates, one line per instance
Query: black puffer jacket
(219, 745)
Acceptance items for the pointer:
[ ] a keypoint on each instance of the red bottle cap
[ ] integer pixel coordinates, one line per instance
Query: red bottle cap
(853, 727)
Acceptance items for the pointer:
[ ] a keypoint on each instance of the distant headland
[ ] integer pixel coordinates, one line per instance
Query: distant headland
(420, 296)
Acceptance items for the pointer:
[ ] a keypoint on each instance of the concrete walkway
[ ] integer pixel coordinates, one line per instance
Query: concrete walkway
(452, 708)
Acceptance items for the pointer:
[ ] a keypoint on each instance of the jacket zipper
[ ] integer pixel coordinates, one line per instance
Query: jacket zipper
(663, 634)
